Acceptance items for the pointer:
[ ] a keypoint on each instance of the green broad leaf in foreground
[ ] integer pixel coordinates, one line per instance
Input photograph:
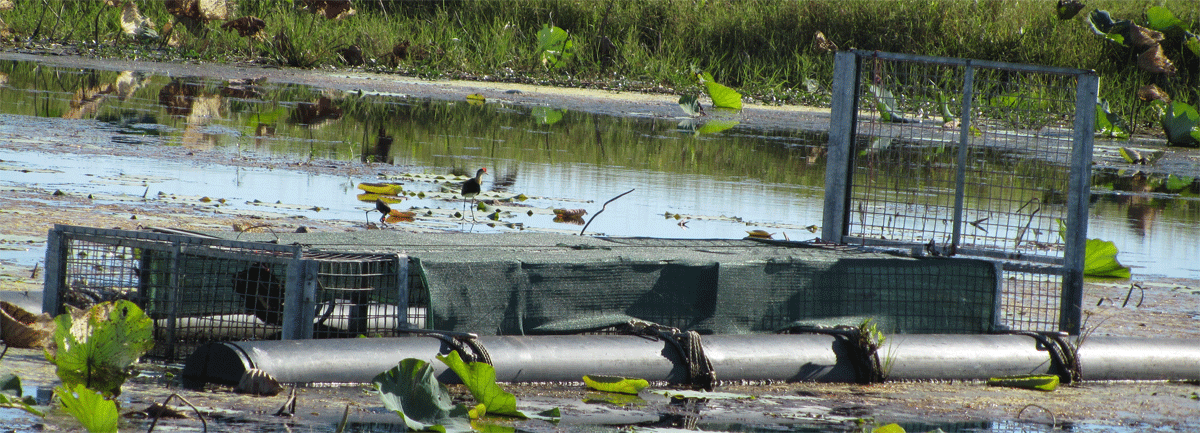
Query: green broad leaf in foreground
(1109, 124)
(723, 97)
(411, 391)
(554, 46)
(690, 105)
(1161, 19)
(89, 407)
(480, 379)
(1181, 123)
(617, 384)
(96, 349)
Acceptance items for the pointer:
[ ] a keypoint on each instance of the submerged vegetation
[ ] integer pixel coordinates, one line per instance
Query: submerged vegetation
(773, 51)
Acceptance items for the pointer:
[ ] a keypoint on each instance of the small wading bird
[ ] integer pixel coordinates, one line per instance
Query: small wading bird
(383, 209)
(471, 188)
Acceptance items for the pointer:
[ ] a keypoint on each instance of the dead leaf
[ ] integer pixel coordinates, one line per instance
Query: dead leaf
(246, 26)
(1154, 61)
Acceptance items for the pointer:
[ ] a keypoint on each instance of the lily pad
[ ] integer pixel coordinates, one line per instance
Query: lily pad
(1181, 123)
(411, 391)
(618, 384)
(1040, 382)
(97, 348)
(97, 414)
(722, 96)
(480, 379)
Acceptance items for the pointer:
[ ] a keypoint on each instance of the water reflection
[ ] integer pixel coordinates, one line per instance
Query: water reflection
(722, 178)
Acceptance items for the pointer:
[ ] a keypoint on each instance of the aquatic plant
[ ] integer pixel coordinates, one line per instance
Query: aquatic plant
(554, 46)
(1181, 123)
(96, 413)
(12, 395)
(411, 391)
(96, 348)
(617, 384)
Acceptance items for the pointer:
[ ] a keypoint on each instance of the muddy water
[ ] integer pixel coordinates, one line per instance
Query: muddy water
(710, 178)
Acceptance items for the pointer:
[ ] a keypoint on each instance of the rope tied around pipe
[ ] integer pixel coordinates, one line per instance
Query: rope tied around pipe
(466, 344)
(1065, 364)
(700, 372)
(862, 342)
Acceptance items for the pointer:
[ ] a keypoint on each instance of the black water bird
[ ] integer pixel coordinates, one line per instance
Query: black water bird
(261, 292)
(472, 187)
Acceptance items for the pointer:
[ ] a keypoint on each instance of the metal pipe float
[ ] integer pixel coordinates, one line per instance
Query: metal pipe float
(793, 358)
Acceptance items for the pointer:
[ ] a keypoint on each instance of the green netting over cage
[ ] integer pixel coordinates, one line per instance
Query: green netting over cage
(741, 293)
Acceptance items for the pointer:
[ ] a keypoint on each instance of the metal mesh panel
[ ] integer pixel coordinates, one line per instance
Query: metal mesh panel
(199, 289)
(954, 157)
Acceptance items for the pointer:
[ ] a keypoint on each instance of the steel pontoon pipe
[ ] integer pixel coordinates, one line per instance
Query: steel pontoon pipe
(793, 358)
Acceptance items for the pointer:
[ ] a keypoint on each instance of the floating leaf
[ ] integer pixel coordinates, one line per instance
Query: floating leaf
(476, 97)
(1132, 156)
(723, 97)
(760, 234)
(890, 428)
(480, 379)
(381, 188)
(97, 348)
(1040, 382)
(690, 105)
(89, 407)
(411, 391)
(616, 384)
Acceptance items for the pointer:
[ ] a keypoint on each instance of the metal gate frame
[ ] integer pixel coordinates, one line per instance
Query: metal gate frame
(847, 92)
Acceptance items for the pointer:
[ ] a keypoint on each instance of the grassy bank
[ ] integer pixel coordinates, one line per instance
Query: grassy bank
(762, 48)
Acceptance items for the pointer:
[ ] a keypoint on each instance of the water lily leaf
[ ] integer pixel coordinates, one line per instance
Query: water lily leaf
(690, 105)
(411, 391)
(890, 428)
(618, 384)
(1100, 260)
(546, 115)
(1040, 382)
(1109, 124)
(554, 46)
(1161, 19)
(89, 407)
(723, 97)
(1181, 123)
(1100, 257)
(96, 349)
(476, 97)
(480, 379)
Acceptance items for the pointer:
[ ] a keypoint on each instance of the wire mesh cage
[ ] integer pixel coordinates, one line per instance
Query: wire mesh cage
(955, 157)
(199, 290)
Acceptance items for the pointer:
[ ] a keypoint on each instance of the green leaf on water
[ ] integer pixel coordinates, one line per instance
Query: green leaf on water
(1176, 183)
(97, 414)
(96, 349)
(623, 385)
(890, 428)
(1181, 123)
(554, 46)
(411, 391)
(723, 97)
(480, 379)
(1100, 257)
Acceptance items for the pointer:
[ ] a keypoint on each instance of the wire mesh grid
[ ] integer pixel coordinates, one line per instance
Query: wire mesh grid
(966, 159)
(200, 290)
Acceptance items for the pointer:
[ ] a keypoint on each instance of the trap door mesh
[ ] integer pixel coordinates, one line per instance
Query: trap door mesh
(955, 157)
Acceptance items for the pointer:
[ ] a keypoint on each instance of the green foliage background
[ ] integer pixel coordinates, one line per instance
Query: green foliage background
(763, 48)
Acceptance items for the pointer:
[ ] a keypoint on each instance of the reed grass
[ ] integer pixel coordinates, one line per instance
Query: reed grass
(761, 47)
